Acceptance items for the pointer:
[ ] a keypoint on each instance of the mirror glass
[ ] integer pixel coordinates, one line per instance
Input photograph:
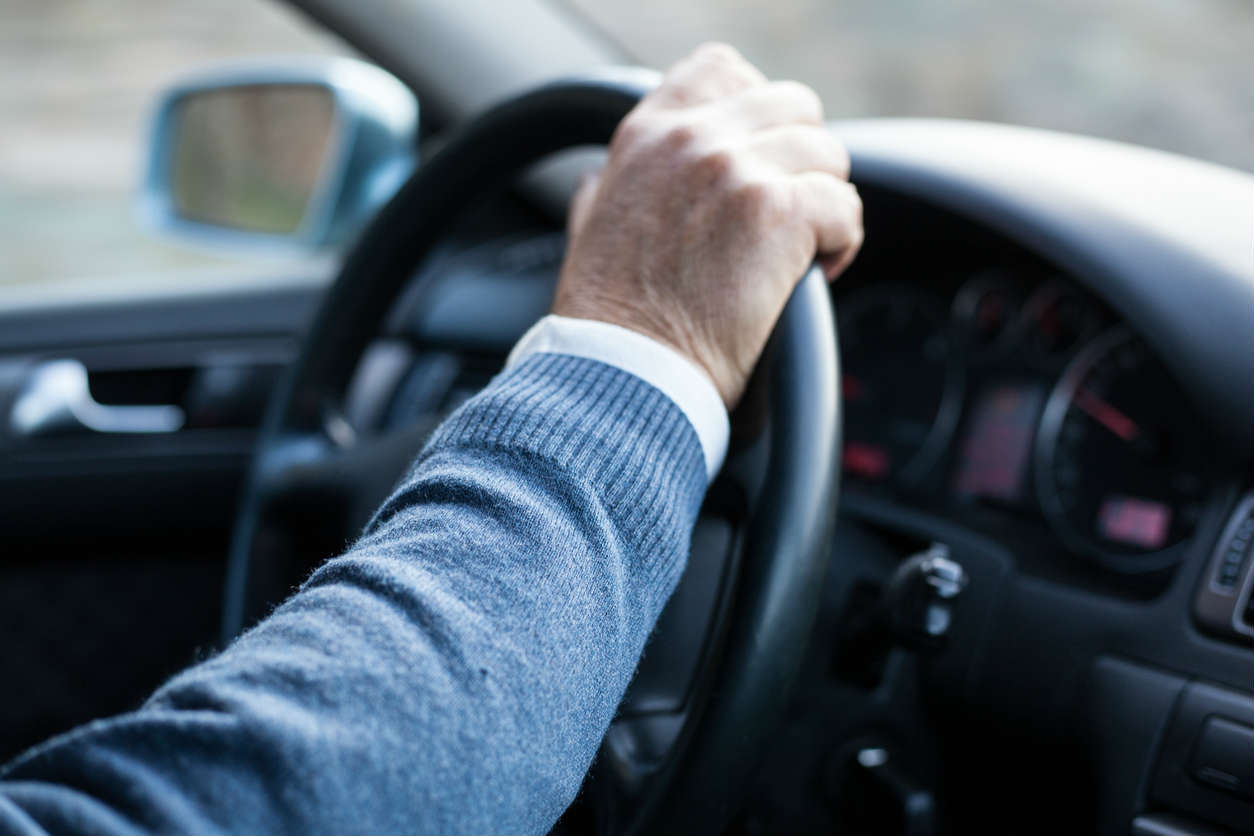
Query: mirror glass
(251, 157)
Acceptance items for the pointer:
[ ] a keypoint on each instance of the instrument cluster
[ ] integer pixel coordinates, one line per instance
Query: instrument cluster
(1024, 398)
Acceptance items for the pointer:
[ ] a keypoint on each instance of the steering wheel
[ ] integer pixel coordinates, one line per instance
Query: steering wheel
(718, 668)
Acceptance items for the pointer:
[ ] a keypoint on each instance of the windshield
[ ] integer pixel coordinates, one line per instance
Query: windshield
(81, 79)
(1171, 74)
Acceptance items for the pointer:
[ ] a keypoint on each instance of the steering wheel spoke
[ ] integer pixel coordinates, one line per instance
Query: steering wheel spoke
(301, 471)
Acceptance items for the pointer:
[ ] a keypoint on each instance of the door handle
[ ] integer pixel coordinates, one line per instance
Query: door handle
(56, 398)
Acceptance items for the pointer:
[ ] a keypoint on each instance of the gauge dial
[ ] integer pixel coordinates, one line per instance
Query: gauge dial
(897, 380)
(1120, 459)
(985, 308)
(1057, 320)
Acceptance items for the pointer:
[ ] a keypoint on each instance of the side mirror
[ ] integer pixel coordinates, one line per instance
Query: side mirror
(293, 156)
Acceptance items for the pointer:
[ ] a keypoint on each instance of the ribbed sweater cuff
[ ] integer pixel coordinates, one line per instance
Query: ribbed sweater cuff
(629, 441)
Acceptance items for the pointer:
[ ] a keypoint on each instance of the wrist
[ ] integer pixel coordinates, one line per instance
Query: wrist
(654, 362)
(678, 338)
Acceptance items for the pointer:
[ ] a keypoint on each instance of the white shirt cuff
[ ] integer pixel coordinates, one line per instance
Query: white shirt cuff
(659, 365)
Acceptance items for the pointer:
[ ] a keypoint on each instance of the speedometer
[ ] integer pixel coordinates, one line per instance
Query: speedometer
(1120, 456)
(898, 381)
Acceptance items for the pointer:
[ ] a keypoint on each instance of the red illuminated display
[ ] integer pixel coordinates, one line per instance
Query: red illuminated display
(998, 442)
(866, 460)
(1136, 522)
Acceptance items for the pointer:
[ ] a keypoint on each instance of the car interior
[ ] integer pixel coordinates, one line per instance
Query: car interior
(1027, 607)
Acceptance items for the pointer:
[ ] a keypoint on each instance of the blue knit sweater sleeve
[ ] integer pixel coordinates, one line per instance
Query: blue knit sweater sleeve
(453, 672)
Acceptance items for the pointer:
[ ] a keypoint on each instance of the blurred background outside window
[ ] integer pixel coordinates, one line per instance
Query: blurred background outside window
(1170, 74)
(81, 77)
(80, 81)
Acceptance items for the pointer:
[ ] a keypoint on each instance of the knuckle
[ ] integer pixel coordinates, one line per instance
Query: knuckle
(634, 127)
(681, 136)
(756, 201)
(818, 144)
(808, 102)
(717, 164)
(716, 52)
(849, 213)
(855, 207)
(843, 204)
(625, 136)
(843, 163)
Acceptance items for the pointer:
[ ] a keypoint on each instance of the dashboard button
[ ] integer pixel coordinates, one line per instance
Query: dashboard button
(1224, 757)
(1234, 552)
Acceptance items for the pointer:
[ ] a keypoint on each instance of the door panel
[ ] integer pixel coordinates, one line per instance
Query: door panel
(112, 545)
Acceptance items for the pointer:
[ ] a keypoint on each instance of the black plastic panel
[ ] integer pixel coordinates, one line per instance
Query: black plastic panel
(1213, 729)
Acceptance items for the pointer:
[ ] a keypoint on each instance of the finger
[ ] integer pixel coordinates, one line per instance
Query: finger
(711, 72)
(833, 210)
(773, 104)
(581, 203)
(800, 148)
(834, 265)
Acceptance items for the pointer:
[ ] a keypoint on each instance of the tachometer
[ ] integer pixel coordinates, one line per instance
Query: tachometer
(897, 379)
(1120, 456)
(1056, 320)
(986, 307)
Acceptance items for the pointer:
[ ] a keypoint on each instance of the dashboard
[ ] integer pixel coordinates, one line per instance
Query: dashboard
(1013, 396)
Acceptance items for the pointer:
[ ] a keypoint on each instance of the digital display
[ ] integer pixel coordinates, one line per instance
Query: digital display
(998, 442)
(866, 460)
(1134, 522)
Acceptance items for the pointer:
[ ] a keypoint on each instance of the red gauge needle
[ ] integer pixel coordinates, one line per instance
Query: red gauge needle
(1106, 415)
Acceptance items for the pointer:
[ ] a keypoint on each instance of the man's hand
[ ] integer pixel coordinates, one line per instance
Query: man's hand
(719, 191)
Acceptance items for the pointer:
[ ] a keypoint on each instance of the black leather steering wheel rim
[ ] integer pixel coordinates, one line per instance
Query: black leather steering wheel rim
(785, 552)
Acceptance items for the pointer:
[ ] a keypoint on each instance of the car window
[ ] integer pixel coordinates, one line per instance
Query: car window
(80, 82)
(1170, 74)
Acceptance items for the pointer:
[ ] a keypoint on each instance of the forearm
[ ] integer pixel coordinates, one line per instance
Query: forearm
(454, 671)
